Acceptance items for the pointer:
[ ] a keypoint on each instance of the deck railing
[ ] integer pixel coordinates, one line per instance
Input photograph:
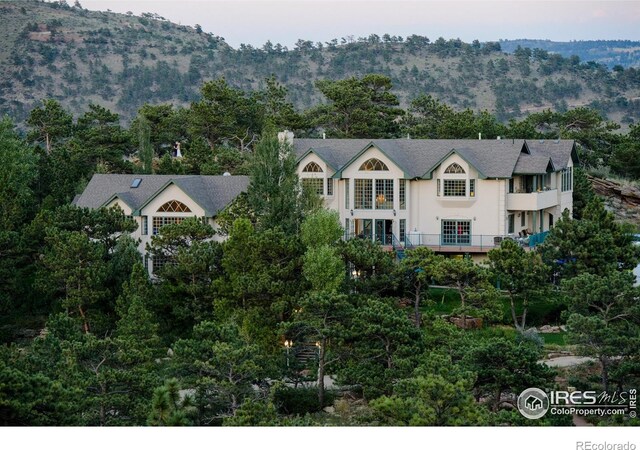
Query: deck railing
(451, 242)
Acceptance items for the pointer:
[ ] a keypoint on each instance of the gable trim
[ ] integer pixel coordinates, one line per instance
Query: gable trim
(338, 173)
(428, 175)
(138, 212)
(311, 150)
(117, 196)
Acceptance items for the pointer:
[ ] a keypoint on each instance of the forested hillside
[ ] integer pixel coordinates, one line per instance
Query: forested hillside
(123, 61)
(611, 53)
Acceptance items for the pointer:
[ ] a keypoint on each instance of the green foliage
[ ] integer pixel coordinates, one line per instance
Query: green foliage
(417, 271)
(359, 107)
(145, 150)
(429, 400)
(168, 408)
(371, 267)
(193, 266)
(273, 192)
(295, 400)
(505, 366)
(478, 298)
(322, 227)
(603, 321)
(221, 363)
(384, 346)
(225, 114)
(50, 125)
(428, 118)
(324, 269)
(238, 209)
(595, 244)
(522, 274)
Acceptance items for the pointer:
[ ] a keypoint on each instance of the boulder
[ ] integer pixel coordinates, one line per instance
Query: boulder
(469, 323)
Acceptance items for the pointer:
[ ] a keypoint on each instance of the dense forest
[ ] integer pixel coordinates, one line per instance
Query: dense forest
(122, 61)
(246, 332)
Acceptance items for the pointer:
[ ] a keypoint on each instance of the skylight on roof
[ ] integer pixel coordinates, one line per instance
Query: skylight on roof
(136, 182)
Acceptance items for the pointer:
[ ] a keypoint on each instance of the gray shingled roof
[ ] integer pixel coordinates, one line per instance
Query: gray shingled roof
(212, 193)
(493, 158)
(560, 151)
(532, 164)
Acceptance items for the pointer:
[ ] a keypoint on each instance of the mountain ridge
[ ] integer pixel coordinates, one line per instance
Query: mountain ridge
(122, 61)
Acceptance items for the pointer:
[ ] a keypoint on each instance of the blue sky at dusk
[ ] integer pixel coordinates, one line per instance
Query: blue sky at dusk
(256, 21)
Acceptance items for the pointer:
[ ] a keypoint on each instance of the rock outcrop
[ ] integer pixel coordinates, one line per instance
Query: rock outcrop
(622, 200)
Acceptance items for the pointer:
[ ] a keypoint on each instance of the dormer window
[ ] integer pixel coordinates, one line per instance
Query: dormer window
(373, 164)
(312, 167)
(455, 183)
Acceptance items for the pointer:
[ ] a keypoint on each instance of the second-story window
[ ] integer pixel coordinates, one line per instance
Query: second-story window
(330, 186)
(403, 194)
(346, 194)
(384, 194)
(455, 188)
(363, 193)
(313, 185)
(456, 183)
(315, 181)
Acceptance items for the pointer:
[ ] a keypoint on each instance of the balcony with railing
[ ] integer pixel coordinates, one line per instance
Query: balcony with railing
(533, 200)
(452, 243)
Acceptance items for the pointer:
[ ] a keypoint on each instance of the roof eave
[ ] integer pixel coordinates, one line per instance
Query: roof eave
(138, 211)
(429, 173)
(312, 150)
(338, 173)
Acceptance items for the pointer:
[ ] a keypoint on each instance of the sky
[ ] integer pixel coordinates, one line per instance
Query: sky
(285, 21)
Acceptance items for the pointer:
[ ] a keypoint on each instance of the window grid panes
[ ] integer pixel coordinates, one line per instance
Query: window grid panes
(145, 225)
(454, 168)
(403, 194)
(313, 185)
(312, 167)
(174, 206)
(160, 221)
(329, 186)
(159, 261)
(363, 195)
(567, 179)
(346, 194)
(403, 229)
(438, 183)
(472, 188)
(512, 224)
(456, 232)
(373, 164)
(384, 194)
(455, 188)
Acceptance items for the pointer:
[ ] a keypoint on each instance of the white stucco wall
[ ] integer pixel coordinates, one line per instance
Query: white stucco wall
(485, 210)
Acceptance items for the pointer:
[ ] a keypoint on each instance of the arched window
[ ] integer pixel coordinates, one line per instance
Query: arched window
(174, 206)
(454, 168)
(312, 167)
(373, 164)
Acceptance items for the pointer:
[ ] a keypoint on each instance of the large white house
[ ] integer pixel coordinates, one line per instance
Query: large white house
(455, 196)
(157, 200)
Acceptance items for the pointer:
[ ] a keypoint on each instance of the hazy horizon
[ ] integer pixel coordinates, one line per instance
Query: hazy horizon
(255, 22)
